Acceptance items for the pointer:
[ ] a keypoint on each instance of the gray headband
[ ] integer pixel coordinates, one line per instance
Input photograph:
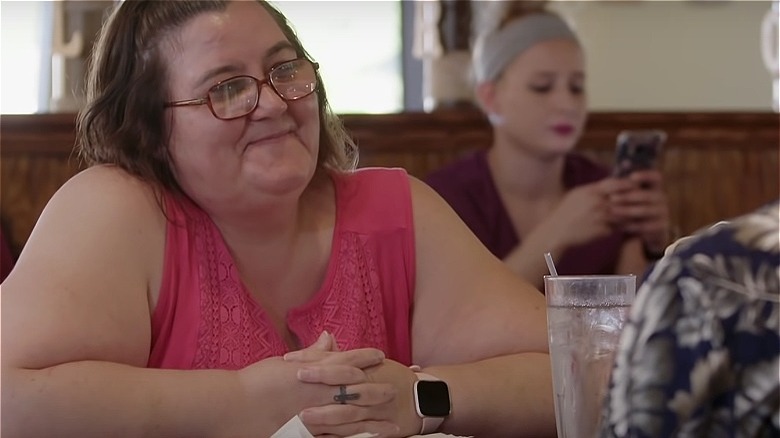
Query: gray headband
(494, 51)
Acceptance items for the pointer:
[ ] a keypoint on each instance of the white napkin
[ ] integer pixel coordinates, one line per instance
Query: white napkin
(295, 429)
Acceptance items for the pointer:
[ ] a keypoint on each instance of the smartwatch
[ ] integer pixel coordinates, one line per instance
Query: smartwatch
(431, 401)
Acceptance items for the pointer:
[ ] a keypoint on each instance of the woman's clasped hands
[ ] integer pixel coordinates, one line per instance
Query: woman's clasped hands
(349, 392)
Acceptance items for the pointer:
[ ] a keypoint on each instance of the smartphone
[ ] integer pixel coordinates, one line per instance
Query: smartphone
(637, 150)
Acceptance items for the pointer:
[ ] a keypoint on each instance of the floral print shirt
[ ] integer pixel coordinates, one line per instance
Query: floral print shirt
(699, 354)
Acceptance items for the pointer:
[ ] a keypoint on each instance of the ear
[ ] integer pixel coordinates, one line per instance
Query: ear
(486, 97)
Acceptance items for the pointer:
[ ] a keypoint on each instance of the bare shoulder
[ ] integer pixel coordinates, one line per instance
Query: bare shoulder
(427, 204)
(101, 196)
(438, 227)
(99, 199)
(103, 205)
(86, 273)
(109, 184)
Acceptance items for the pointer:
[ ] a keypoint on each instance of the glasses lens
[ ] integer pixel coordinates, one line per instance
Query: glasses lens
(234, 98)
(294, 79)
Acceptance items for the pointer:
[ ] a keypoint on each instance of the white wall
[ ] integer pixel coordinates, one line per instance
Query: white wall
(674, 55)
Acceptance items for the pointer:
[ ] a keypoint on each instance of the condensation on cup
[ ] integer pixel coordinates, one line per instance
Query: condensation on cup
(585, 316)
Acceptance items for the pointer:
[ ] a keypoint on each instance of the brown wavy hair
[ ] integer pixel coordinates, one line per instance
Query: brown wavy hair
(124, 123)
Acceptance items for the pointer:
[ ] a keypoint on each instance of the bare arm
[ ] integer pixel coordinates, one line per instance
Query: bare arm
(473, 311)
(527, 260)
(76, 332)
(581, 216)
(76, 322)
(632, 259)
(594, 210)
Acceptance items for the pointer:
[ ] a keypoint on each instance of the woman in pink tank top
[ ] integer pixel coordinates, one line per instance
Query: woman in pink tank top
(221, 268)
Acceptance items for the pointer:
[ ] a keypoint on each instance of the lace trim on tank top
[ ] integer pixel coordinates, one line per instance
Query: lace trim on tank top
(235, 331)
(351, 307)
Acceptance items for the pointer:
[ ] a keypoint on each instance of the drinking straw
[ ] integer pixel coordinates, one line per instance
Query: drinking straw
(550, 265)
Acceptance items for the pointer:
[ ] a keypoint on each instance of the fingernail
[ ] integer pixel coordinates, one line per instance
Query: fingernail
(305, 373)
(290, 356)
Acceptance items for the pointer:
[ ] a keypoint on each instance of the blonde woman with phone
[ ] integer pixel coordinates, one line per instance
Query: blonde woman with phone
(530, 193)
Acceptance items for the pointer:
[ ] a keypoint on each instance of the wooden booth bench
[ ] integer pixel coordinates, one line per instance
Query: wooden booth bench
(716, 165)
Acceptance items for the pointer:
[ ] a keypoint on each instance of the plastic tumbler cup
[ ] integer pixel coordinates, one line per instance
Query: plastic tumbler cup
(585, 315)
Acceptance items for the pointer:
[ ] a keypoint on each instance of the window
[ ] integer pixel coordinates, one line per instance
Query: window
(24, 70)
(359, 47)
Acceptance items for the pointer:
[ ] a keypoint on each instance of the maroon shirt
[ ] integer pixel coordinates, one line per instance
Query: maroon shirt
(467, 185)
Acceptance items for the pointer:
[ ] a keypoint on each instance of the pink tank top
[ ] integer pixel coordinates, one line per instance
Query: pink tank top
(205, 318)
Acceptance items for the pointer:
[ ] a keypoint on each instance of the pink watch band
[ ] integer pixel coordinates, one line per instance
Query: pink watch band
(429, 424)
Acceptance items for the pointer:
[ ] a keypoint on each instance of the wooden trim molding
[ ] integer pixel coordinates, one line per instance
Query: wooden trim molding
(55, 133)
(716, 165)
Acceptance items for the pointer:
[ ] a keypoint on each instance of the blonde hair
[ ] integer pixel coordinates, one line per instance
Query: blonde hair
(515, 9)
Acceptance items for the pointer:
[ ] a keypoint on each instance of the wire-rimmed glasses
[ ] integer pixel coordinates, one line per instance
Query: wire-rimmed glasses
(238, 96)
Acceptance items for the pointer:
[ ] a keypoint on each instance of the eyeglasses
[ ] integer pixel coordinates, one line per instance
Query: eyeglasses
(239, 95)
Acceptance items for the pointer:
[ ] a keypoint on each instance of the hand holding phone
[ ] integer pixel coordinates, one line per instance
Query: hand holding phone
(643, 212)
(637, 150)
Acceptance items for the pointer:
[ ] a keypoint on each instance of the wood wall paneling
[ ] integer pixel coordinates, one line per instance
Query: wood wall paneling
(716, 165)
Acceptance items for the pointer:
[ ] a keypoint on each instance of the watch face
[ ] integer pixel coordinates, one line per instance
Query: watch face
(433, 398)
